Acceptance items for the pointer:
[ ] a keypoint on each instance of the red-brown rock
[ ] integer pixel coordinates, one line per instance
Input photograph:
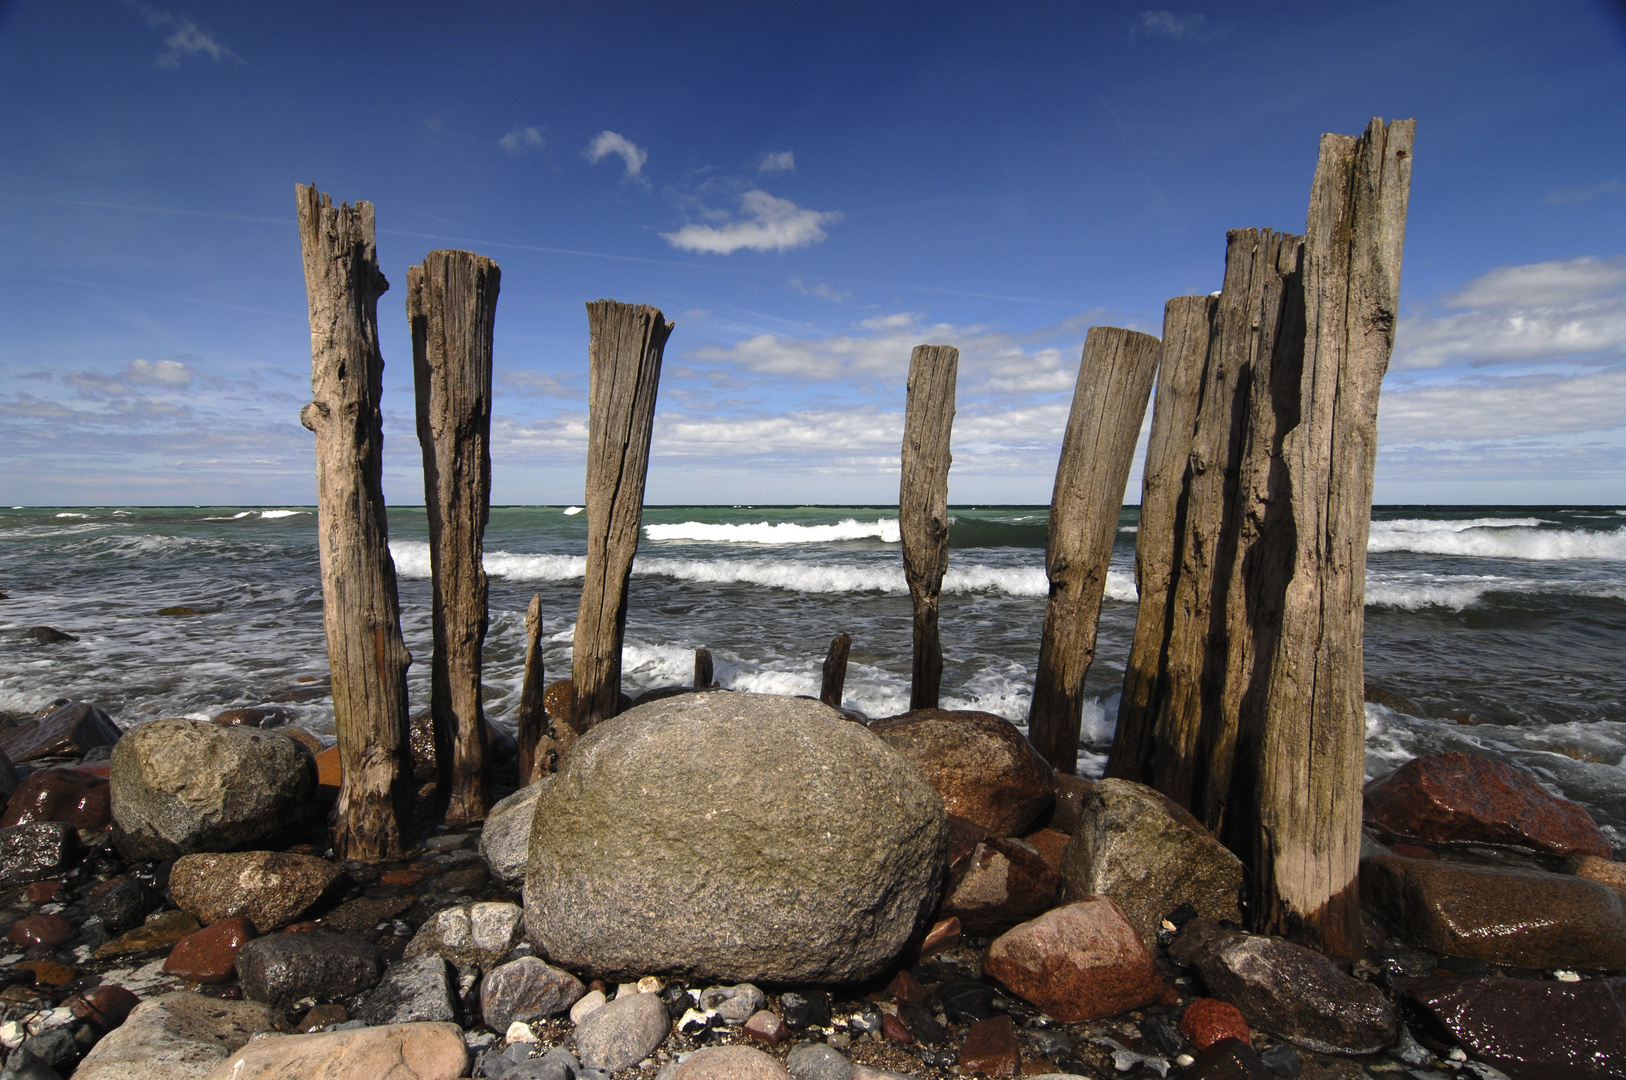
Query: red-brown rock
(906, 990)
(1051, 845)
(103, 1007)
(766, 1028)
(76, 796)
(210, 955)
(1208, 1020)
(1461, 798)
(1531, 1029)
(269, 888)
(893, 1029)
(990, 1048)
(944, 934)
(41, 930)
(49, 974)
(1078, 962)
(1229, 1059)
(994, 883)
(70, 730)
(985, 769)
(401, 877)
(43, 892)
(1612, 874)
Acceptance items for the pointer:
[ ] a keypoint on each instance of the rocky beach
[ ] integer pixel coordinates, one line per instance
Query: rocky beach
(724, 884)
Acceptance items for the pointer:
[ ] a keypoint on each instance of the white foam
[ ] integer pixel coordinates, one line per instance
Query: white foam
(572, 511)
(1415, 597)
(66, 515)
(1496, 538)
(784, 532)
(271, 515)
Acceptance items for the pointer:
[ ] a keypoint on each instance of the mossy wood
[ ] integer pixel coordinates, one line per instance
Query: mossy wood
(928, 423)
(452, 309)
(624, 370)
(361, 612)
(1114, 380)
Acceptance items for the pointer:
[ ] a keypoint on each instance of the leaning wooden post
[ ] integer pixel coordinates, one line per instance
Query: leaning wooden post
(624, 371)
(835, 670)
(532, 721)
(1164, 481)
(452, 310)
(1109, 401)
(1312, 751)
(702, 669)
(361, 612)
(928, 421)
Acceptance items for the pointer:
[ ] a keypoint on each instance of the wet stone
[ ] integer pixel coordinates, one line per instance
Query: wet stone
(766, 1028)
(121, 903)
(1282, 1061)
(364, 913)
(991, 1048)
(1532, 1030)
(75, 796)
(415, 990)
(36, 851)
(967, 1002)
(894, 1029)
(43, 892)
(1208, 1020)
(1077, 962)
(210, 955)
(1228, 1059)
(103, 1007)
(801, 1011)
(922, 1025)
(47, 973)
(66, 731)
(283, 968)
(268, 888)
(41, 930)
(160, 931)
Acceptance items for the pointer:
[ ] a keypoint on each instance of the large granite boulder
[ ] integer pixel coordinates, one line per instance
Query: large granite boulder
(1149, 854)
(1286, 989)
(184, 786)
(506, 837)
(1531, 1030)
(1526, 918)
(985, 769)
(177, 1036)
(733, 837)
(1463, 798)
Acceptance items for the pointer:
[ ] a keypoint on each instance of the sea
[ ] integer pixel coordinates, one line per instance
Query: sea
(1498, 630)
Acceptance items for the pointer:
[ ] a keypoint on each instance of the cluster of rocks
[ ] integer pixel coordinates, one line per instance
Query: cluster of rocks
(722, 885)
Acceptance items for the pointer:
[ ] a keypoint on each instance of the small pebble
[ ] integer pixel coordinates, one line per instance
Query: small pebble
(520, 1032)
(1184, 1061)
(589, 1003)
(1561, 976)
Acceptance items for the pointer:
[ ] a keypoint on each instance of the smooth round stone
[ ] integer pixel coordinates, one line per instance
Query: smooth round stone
(41, 930)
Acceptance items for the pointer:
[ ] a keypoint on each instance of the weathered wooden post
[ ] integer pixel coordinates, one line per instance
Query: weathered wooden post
(452, 310)
(702, 669)
(1164, 479)
(624, 371)
(532, 721)
(923, 507)
(835, 670)
(361, 612)
(1312, 723)
(1109, 401)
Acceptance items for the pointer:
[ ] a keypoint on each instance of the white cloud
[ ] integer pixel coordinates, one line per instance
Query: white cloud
(1538, 406)
(783, 161)
(608, 142)
(1538, 313)
(1162, 23)
(521, 139)
(823, 290)
(185, 38)
(766, 224)
(159, 372)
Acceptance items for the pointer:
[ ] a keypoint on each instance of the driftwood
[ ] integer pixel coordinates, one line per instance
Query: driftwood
(1162, 516)
(624, 370)
(1311, 721)
(532, 721)
(702, 669)
(923, 507)
(835, 670)
(452, 309)
(361, 612)
(1114, 380)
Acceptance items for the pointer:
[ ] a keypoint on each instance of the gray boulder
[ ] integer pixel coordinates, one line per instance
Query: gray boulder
(413, 991)
(526, 989)
(1148, 853)
(183, 786)
(177, 1036)
(282, 968)
(1287, 990)
(507, 833)
(733, 837)
(472, 936)
(623, 1033)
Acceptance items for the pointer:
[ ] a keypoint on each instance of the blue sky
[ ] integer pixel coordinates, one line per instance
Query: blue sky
(807, 190)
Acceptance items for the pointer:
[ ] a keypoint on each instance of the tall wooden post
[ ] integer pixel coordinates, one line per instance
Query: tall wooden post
(834, 682)
(1114, 380)
(532, 722)
(703, 673)
(923, 507)
(361, 612)
(452, 309)
(1164, 479)
(624, 371)
(1312, 727)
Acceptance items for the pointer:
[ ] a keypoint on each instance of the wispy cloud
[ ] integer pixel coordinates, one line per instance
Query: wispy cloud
(1584, 192)
(159, 372)
(1538, 313)
(125, 385)
(521, 140)
(1175, 27)
(765, 223)
(608, 142)
(783, 161)
(822, 289)
(185, 39)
